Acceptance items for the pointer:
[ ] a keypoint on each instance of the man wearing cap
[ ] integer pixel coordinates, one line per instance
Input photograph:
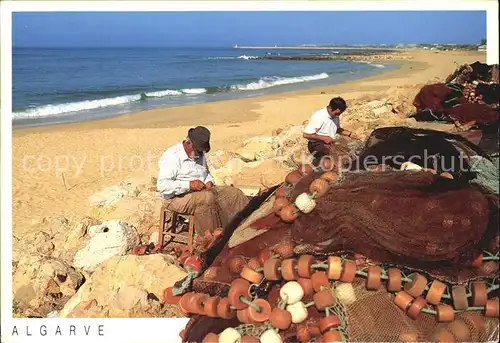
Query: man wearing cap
(186, 185)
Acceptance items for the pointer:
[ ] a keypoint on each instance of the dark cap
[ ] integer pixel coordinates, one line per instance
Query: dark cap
(200, 137)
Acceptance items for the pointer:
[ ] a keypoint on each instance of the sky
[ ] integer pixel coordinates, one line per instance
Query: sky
(223, 29)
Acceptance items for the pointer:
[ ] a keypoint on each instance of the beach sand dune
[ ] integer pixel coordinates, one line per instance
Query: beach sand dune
(57, 168)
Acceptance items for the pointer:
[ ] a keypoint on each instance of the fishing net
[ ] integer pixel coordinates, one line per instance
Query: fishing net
(425, 226)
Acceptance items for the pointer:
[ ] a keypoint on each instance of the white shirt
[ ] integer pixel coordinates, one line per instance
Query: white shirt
(322, 124)
(177, 169)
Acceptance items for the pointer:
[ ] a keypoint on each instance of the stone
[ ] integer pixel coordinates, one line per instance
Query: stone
(108, 197)
(123, 287)
(36, 276)
(42, 243)
(290, 137)
(257, 148)
(111, 238)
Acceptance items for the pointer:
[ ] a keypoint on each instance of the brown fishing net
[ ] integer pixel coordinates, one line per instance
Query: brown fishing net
(416, 221)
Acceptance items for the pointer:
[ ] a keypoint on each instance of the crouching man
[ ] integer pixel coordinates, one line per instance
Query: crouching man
(187, 187)
(324, 128)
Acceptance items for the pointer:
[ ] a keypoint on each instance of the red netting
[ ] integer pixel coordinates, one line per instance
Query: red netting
(415, 221)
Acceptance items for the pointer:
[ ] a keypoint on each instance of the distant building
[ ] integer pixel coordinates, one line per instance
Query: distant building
(481, 48)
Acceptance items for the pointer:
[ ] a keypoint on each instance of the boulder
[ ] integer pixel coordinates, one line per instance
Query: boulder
(290, 137)
(111, 238)
(125, 286)
(108, 197)
(256, 149)
(36, 277)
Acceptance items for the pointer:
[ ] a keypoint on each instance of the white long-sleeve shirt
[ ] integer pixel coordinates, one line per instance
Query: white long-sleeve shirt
(177, 169)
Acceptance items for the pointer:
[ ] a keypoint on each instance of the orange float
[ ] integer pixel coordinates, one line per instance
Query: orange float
(271, 269)
(374, 279)
(280, 318)
(479, 293)
(394, 283)
(445, 313)
(236, 264)
(210, 307)
(348, 272)
(280, 192)
(416, 286)
(334, 267)
(435, 292)
(224, 309)
(332, 336)
(307, 286)
(324, 299)
(491, 308)
(459, 296)
(329, 176)
(416, 307)
(288, 271)
(168, 296)
(403, 300)
(251, 275)
(279, 203)
(289, 213)
(236, 292)
(305, 263)
(319, 281)
(293, 177)
(319, 186)
(329, 322)
(263, 314)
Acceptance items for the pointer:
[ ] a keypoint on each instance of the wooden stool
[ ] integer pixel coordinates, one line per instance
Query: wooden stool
(171, 228)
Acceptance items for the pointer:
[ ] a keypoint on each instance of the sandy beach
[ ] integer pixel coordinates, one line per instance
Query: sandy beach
(56, 168)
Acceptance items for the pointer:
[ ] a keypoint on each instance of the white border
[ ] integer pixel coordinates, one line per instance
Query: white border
(152, 330)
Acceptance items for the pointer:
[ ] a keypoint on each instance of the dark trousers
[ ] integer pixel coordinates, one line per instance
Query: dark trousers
(318, 149)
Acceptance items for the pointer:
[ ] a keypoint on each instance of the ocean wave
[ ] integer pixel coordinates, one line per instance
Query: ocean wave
(72, 107)
(194, 90)
(55, 109)
(161, 94)
(377, 65)
(245, 57)
(267, 82)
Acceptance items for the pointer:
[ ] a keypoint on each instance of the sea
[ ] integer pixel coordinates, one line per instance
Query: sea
(61, 85)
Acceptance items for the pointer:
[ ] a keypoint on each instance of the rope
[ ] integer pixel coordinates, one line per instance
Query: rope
(186, 283)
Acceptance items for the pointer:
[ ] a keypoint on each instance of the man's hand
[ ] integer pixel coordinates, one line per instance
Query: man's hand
(327, 140)
(209, 185)
(196, 185)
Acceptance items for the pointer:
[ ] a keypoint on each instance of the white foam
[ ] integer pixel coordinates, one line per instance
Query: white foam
(160, 94)
(194, 90)
(245, 57)
(377, 65)
(267, 82)
(51, 110)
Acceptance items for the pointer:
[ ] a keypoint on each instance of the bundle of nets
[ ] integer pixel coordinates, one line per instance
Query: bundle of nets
(362, 255)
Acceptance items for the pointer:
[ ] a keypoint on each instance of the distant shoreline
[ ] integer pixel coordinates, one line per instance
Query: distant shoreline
(313, 48)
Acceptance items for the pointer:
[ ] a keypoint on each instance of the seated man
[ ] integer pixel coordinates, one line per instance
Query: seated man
(323, 128)
(186, 185)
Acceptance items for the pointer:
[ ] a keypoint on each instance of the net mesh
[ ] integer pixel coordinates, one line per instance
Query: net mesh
(416, 221)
